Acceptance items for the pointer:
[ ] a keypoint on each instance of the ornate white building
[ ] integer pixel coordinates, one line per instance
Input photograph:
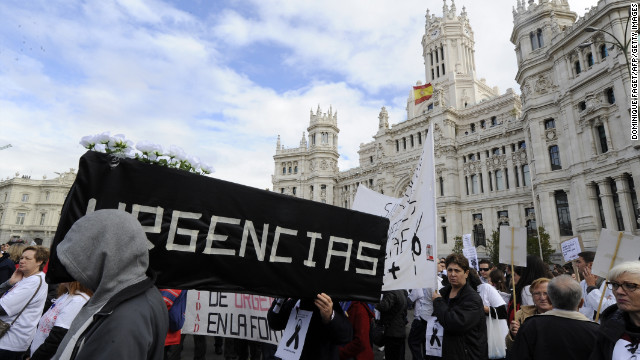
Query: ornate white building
(30, 209)
(559, 155)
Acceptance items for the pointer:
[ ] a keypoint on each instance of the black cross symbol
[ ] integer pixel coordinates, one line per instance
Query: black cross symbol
(393, 270)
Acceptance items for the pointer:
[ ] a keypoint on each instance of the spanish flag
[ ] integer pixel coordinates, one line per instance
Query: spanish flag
(422, 93)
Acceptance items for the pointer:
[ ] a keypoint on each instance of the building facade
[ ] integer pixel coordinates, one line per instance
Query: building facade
(559, 155)
(30, 209)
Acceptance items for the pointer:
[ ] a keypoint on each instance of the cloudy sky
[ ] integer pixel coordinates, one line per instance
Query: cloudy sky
(219, 78)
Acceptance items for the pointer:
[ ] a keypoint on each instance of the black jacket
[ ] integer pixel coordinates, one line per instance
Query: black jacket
(322, 340)
(465, 327)
(393, 313)
(614, 323)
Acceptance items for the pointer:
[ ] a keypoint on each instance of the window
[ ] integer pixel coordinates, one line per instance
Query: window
(494, 121)
(444, 234)
(549, 124)
(474, 184)
(46, 196)
(611, 99)
(419, 138)
(430, 107)
(25, 197)
(503, 218)
(404, 143)
(441, 186)
(466, 184)
(506, 177)
(473, 128)
(616, 204)
(42, 218)
(495, 151)
(411, 140)
(370, 183)
(590, 59)
(478, 230)
(433, 76)
(397, 145)
(281, 190)
(295, 169)
(20, 218)
(284, 170)
(526, 181)
(294, 190)
(522, 145)
(531, 222)
(442, 68)
(513, 147)
(582, 106)
(437, 56)
(482, 124)
(499, 180)
(515, 173)
(472, 157)
(539, 38)
(371, 159)
(437, 70)
(603, 51)
(431, 56)
(600, 208)
(490, 182)
(564, 216)
(534, 41)
(554, 156)
(481, 184)
(289, 169)
(602, 136)
(442, 53)
(313, 139)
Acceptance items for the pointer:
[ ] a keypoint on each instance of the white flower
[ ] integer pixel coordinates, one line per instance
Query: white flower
(177, 153)
(194, 161)
(103, 138)
(153, 156)
(206, 168)
(88, 141)
(100, 148)
(146, 147)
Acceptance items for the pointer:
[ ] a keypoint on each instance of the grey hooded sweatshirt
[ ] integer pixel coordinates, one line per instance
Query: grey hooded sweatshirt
(126, 317)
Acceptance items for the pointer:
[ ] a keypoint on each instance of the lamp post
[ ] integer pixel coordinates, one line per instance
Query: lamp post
(622, 45)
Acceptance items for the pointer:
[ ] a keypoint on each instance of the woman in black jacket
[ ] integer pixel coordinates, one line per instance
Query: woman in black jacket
(460, 311)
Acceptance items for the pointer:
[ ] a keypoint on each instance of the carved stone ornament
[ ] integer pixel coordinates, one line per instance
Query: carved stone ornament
(550, 134)
(543, 84)
(324, 165)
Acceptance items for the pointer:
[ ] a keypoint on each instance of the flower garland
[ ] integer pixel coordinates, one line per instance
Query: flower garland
(145, 151)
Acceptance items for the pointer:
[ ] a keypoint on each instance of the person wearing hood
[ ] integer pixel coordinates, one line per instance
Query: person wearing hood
(126, 318)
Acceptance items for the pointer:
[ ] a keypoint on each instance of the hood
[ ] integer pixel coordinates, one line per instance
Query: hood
(106, 251)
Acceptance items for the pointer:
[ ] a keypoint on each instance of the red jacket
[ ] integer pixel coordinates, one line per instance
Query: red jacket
(360, 318)
(173, 337)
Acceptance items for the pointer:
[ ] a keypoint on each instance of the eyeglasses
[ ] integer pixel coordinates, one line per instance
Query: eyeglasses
(483, 269)
(538, 294)
(626, 286)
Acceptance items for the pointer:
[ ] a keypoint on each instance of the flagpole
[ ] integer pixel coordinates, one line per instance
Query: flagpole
(613, 260)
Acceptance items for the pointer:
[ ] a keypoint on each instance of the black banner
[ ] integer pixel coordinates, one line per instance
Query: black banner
(209, 234)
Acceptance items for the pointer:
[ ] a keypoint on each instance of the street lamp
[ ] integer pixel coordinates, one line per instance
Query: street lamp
(624, 45)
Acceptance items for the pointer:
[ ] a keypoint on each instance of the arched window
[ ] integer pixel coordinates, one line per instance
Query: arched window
(577, 67)
(295, 169)
(611, 99)
(590, 59)
(603, 51)
(564, 216)
(284, 170)
(289, 169)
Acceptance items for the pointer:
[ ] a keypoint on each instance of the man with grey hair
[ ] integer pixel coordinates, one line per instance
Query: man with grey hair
(547, 336)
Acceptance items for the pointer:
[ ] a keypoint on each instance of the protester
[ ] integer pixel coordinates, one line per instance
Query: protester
(442, 272)
(535, 269)
(541, 304)
(23, 297)
(619, 334)
(484, 268)
(173, 297)
(55, 322)
(15, 252)
(126, 318)
(7, 266)
(328, 329)
(360, 316)
(423, 308)
(592, 287)
(494, 306)
(498, 281)
(560, 333)
(393, 314)
(459, 309)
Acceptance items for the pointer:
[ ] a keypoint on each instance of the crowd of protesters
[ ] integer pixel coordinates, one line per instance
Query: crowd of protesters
(113, 310)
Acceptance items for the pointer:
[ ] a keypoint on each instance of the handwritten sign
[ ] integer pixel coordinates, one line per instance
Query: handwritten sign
(466, 241)
(517, 243)
(232, 315)
(411, 239)
(610, 252)
(472, 255)
(571, 248)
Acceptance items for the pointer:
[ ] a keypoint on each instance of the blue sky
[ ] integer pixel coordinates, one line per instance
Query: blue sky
(221, 79)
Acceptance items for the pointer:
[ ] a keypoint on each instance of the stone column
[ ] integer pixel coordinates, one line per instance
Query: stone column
(626, 206)
(607, 205)
(594, 209)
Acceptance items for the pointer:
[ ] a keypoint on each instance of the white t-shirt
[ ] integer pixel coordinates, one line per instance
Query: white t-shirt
(61, 314)
(21, 333)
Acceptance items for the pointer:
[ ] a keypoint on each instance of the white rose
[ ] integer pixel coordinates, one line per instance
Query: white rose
(206, 168)
(100, 148)
(88, 140)
(103, 138)
(177, 153)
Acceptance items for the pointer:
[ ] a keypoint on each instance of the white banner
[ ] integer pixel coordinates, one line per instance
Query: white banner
(411, 244)
(513, 241)
(232, 315)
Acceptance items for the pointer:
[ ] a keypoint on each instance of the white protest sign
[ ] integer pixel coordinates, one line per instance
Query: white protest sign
(411, 244)
(233, 315)
(513, 240)
(571, 248)
(472, 255)
(466, 241)
(614, 247)
(290, 348)
(434, 334)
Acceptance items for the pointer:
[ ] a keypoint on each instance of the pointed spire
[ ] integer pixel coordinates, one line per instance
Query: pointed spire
(318, 112)
(445, 8)
(303, 141)
(464, 12)
(278, 143)
(453, 7)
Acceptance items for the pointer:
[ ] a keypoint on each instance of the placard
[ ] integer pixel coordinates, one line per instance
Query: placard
(519, 245)
(606, 254)
(571, 248)
(466, 241)
(472, 255)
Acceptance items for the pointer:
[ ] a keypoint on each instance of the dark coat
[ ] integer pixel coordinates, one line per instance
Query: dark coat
(464, 323)
(360, 347)
(393, 313)
(322, 340)
(546, 336)
(7, 267)
(614, 323)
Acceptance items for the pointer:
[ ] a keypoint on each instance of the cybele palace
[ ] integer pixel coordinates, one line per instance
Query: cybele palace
(557, 155)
